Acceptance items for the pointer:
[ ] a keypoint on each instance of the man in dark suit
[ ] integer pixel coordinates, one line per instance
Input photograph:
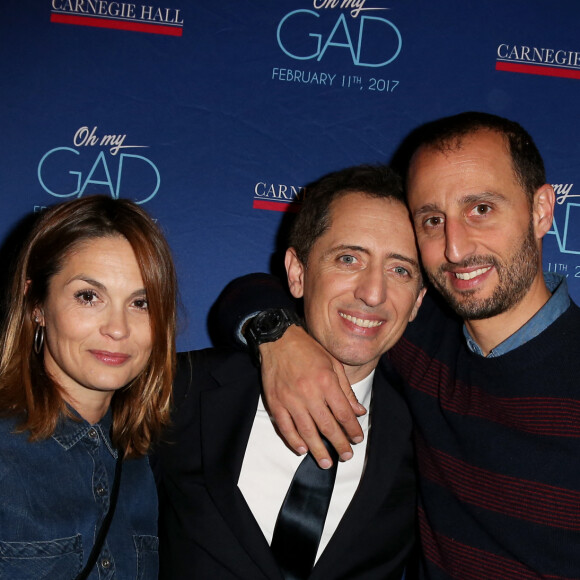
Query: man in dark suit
(223, 471)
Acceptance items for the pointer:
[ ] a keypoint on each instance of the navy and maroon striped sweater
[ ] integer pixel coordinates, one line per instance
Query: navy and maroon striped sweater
(498, 450)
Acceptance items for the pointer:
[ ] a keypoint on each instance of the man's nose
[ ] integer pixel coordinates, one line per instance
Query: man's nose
(372, 286)
(459, 244)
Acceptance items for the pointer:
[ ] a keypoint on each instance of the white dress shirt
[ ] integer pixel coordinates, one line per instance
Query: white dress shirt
(269, 466)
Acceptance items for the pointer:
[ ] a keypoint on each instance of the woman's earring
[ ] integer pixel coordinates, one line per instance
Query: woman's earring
(38, 337)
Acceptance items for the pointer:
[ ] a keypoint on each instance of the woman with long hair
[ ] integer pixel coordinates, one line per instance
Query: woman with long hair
(86, 365)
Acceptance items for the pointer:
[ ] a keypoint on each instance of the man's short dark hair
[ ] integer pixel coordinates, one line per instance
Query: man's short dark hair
(447, 134)
(314, 217)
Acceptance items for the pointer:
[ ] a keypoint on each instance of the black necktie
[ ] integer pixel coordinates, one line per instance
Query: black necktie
(301, 518)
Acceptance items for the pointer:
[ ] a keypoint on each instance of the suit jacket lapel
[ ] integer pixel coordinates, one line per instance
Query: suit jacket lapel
(227, 415)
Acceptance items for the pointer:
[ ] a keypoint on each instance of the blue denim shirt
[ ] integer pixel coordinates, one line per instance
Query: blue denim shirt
(54, 496)
(556, 305)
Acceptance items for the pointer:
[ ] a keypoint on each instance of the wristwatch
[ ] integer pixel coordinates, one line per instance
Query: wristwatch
(268, 326)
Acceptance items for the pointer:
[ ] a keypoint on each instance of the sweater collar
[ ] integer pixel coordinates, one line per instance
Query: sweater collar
(549, 313)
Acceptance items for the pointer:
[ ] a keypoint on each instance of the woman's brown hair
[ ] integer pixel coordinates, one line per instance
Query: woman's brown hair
(26, 391)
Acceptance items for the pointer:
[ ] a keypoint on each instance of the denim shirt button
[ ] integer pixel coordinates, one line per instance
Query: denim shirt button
(93, 434)
(100, 489)
(106, 563)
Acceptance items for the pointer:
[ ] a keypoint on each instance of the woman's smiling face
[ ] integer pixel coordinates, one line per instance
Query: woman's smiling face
(97, 328)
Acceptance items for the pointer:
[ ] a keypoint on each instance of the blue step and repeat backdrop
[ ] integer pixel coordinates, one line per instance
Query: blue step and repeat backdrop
(215, 114)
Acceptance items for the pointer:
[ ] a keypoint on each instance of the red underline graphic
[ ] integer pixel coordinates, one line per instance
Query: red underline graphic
(276, 206)
(532, 69)
(116, 24)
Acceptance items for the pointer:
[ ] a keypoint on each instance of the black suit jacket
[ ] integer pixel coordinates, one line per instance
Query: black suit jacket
(207, 530)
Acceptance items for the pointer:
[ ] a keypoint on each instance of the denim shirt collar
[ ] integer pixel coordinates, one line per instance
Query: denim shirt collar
(70, 431)
(556, 305)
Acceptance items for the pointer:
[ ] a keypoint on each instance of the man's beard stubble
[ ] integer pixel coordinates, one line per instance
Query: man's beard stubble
(515, 279)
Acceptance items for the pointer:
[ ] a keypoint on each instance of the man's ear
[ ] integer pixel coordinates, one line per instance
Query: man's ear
(418, 303)
(295, 273)
(543, 210)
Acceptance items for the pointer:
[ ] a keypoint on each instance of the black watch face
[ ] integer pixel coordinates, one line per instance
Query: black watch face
(269, 322)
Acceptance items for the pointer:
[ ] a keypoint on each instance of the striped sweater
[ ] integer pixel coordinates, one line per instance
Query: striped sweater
(498, 450)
